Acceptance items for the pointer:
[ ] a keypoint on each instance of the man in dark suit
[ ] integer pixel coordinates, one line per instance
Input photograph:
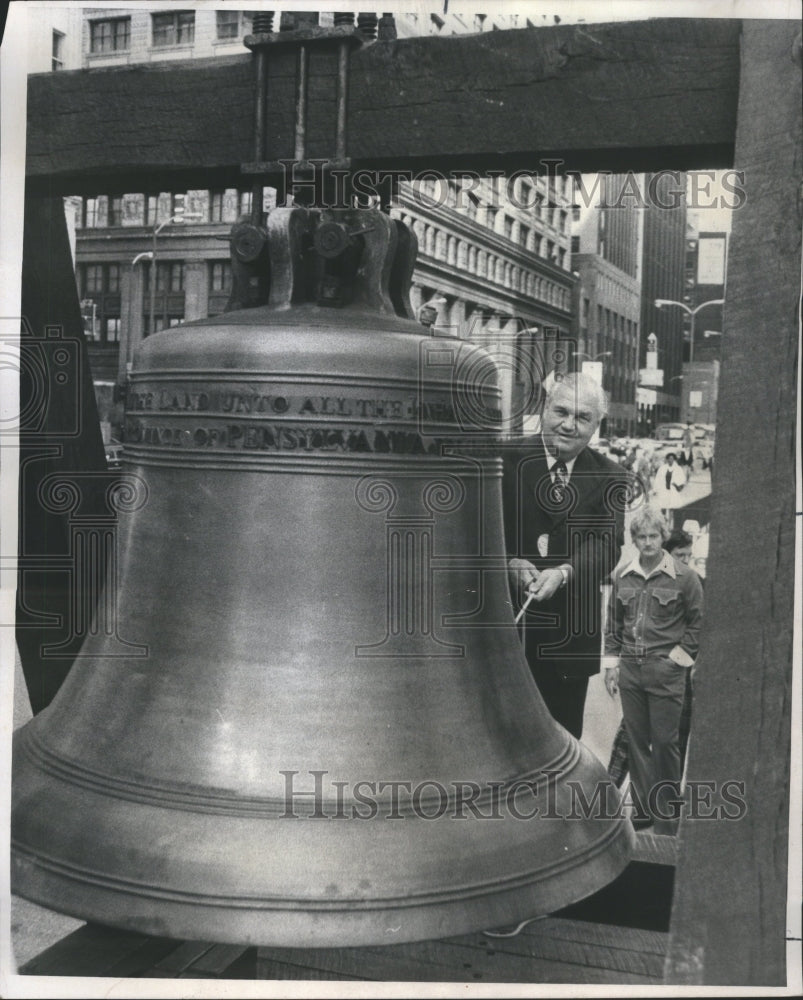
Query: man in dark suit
(564, 509)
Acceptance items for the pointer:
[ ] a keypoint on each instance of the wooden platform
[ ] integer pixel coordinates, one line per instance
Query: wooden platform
(556, 949)
(552, 950)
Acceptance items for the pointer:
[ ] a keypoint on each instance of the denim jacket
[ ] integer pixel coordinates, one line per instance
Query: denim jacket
(655, 615)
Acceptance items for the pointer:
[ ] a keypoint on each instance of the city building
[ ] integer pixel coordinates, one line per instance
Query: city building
(704, 291)
(662, 278)
(700, 392)
(606, 254)
(494, 254)
(54, 37)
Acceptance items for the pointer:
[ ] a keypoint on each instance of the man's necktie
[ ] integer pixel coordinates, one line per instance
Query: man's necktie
(669, 479)
(561, 474)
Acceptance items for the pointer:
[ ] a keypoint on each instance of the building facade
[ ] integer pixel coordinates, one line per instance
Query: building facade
(662, 277)
(119, 36)
(54, 37)
(494, 254)
(606, 248)
(706, 265)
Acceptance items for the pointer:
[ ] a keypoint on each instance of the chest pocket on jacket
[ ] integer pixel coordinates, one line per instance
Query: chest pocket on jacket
(664, 604)
(628, 602)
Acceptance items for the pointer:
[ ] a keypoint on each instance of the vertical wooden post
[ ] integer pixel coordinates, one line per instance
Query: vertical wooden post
(59, 433)
(729, 912)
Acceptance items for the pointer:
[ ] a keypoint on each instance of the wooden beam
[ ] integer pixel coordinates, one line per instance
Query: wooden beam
(729, 915)
(633, 95)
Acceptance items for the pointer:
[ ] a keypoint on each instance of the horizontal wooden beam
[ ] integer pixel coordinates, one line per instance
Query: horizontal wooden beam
(640, 95)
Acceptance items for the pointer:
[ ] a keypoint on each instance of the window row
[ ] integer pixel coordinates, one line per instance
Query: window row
(519, 193)
(451, 250)
(168, 28)
(104, 279)
(140, 210)
(512, 229)
(614, 326)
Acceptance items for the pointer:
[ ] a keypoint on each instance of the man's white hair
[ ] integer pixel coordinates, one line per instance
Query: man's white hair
(578, 383)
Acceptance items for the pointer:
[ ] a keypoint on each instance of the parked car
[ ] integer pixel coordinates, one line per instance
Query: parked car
(619, 446)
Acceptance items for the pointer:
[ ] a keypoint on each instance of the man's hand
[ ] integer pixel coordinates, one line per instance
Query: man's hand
(522, 574)
(612, 681)
(549, 580)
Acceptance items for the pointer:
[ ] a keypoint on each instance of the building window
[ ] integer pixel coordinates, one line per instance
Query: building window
(228, 24)
(245, 203)
(169, 276)
(524, 236)
(90, 213)
(113, 35)
(491, 218)
(57, 60)
(177, 204)
(575, 213)
(153, 210)
(100, 278)
(216, 200)
(176, 28)
(220, 275)
(575, 244)
(93, 278)
(508, 226)
(177, 277)
(112, 329)
(115, 211)
(161, 322)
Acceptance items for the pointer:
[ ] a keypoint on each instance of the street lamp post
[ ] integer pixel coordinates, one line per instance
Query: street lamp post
(593, 360)
(692, 313)
(125, 335)
(156, 230)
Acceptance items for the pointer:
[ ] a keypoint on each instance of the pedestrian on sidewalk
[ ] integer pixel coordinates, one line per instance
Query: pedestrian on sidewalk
(651, 642)
(687, 448)
(668, 484)
(679, 545)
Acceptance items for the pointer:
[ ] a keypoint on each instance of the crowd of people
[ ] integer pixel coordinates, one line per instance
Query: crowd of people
(565, 507)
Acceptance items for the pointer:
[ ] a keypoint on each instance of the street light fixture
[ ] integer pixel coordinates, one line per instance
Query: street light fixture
(177, 219)
(692, 313)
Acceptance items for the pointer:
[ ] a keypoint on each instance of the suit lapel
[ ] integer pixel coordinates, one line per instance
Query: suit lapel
(536, 478)
(588, 483)
(536, 518)
(585, 482)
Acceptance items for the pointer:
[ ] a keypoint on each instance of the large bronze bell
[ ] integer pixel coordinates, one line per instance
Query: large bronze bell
(333, 737)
